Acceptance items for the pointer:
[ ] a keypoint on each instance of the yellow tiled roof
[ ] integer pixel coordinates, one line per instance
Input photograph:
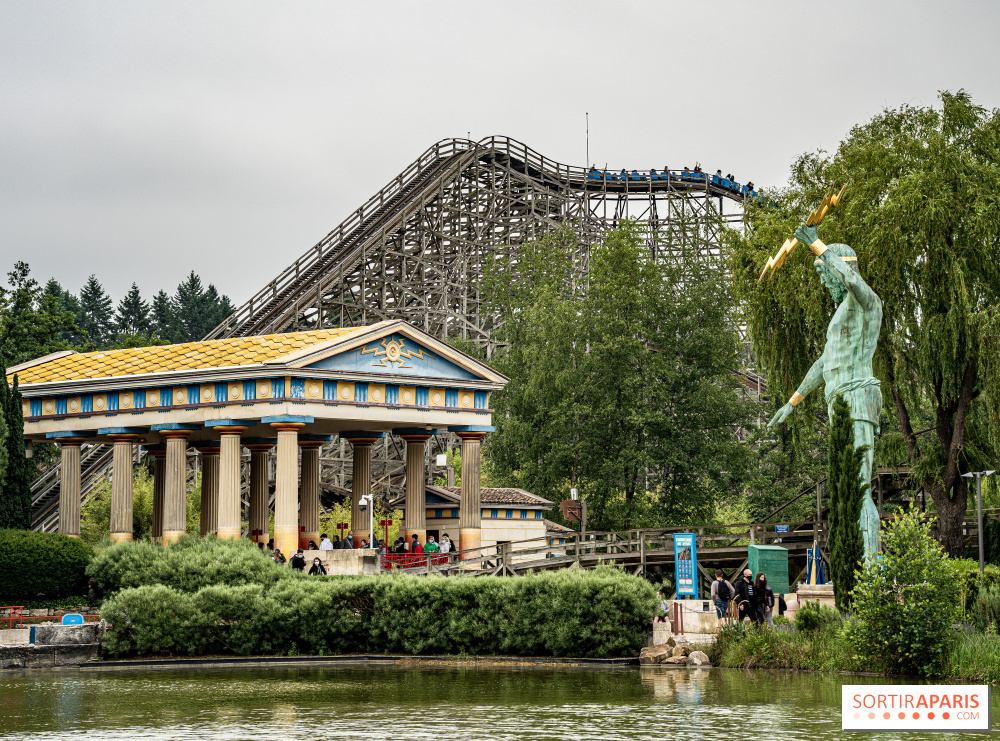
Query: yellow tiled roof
(188, 356)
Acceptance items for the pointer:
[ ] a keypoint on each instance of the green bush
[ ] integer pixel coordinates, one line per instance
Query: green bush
(187, 565)
(599, 613)
(815, 616)
(984, 612)
(971, 581)
(906, 600)
(45, 565)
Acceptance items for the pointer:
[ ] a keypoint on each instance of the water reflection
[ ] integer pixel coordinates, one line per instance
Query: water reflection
(465, 702)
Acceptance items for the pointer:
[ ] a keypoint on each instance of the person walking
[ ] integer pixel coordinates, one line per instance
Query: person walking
(765, 600)
(664, 608)
(722, 594)
(324, 543)
(415, 546)
(317, 568)
(348, 542)
(746, 600)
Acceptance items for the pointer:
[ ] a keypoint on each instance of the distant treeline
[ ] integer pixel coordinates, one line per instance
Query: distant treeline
(188, 315)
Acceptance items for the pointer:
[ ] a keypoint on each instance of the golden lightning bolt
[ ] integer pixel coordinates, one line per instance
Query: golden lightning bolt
(829, 201)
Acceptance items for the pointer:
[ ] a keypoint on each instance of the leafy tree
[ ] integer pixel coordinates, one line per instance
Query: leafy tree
(96, 317)
(845, 542)
(95, 516)
(31, 322)
(132, 316)
(906, 600)
(15, 484)
(922, 211)
(624, 387)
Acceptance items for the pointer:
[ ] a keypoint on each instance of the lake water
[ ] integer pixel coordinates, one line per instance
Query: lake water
(449, 703)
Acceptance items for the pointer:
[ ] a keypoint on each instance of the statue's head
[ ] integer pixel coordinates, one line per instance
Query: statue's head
(837, 289)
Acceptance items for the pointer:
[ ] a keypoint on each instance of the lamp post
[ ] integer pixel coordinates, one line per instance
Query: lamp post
(366, 501)
(979, 476)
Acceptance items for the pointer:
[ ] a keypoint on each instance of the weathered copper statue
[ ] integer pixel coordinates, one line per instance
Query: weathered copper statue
(845, 367)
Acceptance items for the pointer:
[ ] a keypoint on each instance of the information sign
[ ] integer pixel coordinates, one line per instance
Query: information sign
(781, 528)
(685, 564)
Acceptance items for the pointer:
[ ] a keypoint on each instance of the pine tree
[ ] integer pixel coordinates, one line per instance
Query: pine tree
(96, 316)
(161, 315)
(197, 310)
(845, 542)
(132, 316)
(15, 492)
(66, 302)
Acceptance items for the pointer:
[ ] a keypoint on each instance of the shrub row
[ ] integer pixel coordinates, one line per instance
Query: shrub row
(44, 565)
(599, 613)
(187, 565)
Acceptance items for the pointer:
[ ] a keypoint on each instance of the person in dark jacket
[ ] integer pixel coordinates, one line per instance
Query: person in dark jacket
(317, 568)
(298, 561)
(765, 600)
(746, 598)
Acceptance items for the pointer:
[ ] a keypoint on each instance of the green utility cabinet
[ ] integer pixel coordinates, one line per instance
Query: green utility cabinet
(773, 561)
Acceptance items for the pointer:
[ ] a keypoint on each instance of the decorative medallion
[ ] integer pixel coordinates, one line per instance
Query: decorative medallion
(73, 405)
(26, 408)
(153, 397)
(262, 389)
(376, 394)
(437, 397)
(206, 394)
(179, 397)
(126, 401)
(466, 400)
(314, 390)
(234, 391)
(407, 397)
(98, 403)
(48, 407)
(393, 351)
(345, 393)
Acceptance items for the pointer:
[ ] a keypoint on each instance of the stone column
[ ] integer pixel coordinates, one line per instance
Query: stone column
(260, 492)
(69, 487)
(121, 487)
(415, 514)
(361, 481)
(286, 490)
(470, 507)
(175, 485)
(159, 454)
(309, 489)
(229, 509)
(209, 522)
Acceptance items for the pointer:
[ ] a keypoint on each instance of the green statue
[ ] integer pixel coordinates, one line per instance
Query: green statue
(845, 366)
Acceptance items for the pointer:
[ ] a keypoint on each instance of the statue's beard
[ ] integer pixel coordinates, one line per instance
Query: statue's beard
(838, 291)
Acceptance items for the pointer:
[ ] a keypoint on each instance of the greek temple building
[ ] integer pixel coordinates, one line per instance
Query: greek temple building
(292, 392)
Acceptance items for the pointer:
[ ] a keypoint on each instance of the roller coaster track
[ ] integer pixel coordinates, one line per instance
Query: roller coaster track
(417, 249)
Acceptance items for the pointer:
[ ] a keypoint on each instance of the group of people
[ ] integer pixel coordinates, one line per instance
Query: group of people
(753, 598)
(431, 546)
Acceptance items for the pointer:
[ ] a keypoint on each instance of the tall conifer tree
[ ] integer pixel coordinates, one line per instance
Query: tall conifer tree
(132, 316)
(96, 316)
(15, 491)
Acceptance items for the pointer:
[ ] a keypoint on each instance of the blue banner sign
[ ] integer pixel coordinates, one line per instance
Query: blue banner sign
(781, 528)
(686, 564)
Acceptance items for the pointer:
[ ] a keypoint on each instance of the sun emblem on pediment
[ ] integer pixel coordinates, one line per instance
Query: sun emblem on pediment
(392, 353)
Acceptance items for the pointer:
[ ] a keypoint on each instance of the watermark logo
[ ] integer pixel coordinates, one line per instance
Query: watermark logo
(915, 707)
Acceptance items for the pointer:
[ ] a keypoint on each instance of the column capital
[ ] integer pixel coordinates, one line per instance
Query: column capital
(207, 447)
(174, 430)
(287, 419)
(157, 451)
(362, 437)
(417, 434)
(66, 438)
(229, 426)
(122, 433)
(259, 443)
(314, 441)
(472, 432)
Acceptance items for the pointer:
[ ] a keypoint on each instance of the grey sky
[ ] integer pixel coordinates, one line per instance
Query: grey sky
(139, 141)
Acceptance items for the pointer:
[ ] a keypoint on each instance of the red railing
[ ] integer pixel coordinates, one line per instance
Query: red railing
(392, 561)
(14, 612)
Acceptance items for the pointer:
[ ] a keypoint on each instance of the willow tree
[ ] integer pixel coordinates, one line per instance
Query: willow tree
(922, 210)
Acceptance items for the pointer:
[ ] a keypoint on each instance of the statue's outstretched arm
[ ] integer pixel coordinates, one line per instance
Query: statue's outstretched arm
(814, 377)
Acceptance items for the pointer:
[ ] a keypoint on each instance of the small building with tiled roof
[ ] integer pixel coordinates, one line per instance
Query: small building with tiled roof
(507, 515)
(292, 392)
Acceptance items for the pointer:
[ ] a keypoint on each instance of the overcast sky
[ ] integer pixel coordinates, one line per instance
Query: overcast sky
(140, 141)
